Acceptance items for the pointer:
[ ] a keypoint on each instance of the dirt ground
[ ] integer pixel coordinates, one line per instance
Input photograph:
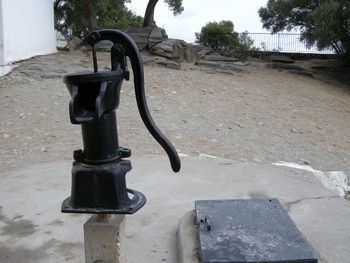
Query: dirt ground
(261, 116)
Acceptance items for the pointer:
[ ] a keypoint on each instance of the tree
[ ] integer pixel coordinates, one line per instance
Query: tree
(174, 5)
(221, 36)
(78, 17)
(246, 43)
(324, 23)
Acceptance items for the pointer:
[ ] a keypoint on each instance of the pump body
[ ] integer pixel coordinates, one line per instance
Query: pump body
(99, 170)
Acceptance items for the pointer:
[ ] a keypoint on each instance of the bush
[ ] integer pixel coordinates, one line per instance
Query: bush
(221, 36)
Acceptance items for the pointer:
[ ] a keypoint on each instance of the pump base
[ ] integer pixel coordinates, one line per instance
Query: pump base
(137, 202)
(101, 189)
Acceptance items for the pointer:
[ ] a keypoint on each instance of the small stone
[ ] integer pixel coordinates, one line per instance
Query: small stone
(257, 160)
(241, 125)
(294, 130)
(303, 161)
(43, 149)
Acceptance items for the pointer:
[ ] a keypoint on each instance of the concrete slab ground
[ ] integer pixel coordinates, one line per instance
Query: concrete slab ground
(32, 229)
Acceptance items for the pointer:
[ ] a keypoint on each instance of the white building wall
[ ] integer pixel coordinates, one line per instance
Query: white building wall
(26, 29)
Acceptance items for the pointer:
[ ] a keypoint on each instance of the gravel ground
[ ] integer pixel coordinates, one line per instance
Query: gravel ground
(262, 115)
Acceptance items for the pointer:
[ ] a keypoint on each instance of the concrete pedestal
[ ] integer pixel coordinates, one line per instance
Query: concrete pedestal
(104, 238)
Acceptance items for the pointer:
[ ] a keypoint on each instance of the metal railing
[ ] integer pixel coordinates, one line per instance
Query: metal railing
(283, 42)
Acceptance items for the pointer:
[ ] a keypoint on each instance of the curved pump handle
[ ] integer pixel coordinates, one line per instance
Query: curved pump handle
(132, 51)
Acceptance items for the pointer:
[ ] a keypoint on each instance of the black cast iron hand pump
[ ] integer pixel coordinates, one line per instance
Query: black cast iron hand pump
(98, 173)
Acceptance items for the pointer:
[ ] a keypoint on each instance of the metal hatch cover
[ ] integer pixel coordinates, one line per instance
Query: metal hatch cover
(255, 230)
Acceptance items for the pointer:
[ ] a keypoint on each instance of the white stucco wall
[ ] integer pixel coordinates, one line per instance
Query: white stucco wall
(26, 29)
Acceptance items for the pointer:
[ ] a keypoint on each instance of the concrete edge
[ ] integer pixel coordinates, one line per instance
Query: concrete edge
(187, 243)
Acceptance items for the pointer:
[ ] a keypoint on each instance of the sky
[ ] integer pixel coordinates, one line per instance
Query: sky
(243, 13)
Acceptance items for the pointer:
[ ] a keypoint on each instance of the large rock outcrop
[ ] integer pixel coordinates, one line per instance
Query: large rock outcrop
(144, 37)
(175, 49)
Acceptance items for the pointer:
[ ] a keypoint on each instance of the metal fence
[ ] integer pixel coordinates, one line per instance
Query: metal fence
(283, 42)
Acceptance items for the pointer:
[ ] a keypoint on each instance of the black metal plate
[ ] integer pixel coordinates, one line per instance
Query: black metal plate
(256, 230)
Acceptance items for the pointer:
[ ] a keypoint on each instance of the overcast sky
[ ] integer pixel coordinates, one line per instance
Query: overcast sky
(243, 13)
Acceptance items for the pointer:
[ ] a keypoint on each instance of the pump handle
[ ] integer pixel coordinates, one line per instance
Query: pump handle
(132, 51)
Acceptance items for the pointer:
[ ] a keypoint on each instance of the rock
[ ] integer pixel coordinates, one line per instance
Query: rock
(255, 62)
(190, 55)
(216, 57)
(304, 162)
(202, 51)
(204, 156)
(175, 49)
(152, 59)
(321, 67)
(74, 43)
(104, 45)
(280, 58)
(222, 67)
(144, 37)
(212, 70)
(300, 72)
(170, 64)
(293, 69)
(257, 160)
(61, 41)
(147, 59)
(165, 49)
(238, 63)
(284, 66)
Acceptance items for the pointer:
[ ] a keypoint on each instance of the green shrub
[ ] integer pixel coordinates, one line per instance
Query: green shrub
(221, 36)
